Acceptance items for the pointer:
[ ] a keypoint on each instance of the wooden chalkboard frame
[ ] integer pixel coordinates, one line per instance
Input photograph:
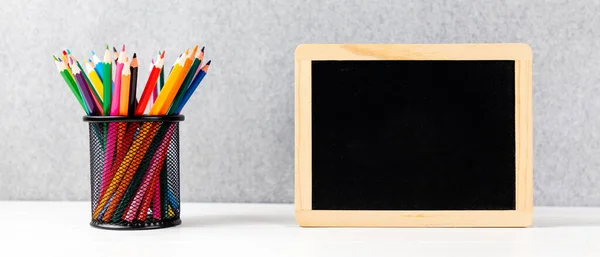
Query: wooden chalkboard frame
(520, 53)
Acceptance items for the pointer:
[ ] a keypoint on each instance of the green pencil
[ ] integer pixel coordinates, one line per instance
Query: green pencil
(107, 81)
(62, 69)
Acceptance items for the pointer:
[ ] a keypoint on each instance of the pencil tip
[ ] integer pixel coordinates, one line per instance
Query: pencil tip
(134, 55)
(53, 56)
(115, 49)
(93, 53)
(89, 60)
(68, 51)
(163, 54)
(64, 52)
(202, 49)
(208, 63)
(123, 50)
(107, 48)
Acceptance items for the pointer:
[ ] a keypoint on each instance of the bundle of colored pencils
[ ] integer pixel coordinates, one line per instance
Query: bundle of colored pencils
(107, 88)
(134, 157)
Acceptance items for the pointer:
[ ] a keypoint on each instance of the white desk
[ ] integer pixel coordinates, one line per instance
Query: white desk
(214, 230)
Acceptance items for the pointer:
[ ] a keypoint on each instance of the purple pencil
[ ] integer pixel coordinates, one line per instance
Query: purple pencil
(85, 90)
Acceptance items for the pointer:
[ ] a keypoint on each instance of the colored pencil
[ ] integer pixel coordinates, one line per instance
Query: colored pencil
(162, 80)
(107, 83)
(65, 59)
(186, 82)
(149, 178)
(116, 54)
(142, 169)
(97, 65)
(95, 79)
(60, 66)
(133, 85)
(97, 98)
(127, 169)
(85, 91)
(172, 85)
(115, 105)
(125, 88)
(150, 84)
(155, 91)
(193, 87)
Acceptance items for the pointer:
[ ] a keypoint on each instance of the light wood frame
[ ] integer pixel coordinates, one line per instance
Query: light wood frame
(520, 53)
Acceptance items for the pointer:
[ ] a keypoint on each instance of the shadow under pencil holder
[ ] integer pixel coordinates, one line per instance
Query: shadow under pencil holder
(134, 163)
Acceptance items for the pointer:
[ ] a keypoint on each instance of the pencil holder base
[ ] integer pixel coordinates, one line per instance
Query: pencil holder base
(139, 226)
(134, 171)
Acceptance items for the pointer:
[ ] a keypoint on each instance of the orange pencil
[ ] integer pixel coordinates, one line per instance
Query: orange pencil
(125, 83)
(168, 93)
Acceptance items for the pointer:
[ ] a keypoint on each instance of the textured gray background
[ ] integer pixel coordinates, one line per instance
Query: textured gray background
(238, 137)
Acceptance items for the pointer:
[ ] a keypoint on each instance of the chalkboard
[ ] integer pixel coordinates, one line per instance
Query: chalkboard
(413, 135)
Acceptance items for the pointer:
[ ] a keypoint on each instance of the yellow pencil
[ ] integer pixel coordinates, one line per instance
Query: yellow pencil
(167, 94)
(125, 83)
(96, 82)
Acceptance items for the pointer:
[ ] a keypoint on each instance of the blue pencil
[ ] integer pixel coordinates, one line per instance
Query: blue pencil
(193, 87)
(97, 64)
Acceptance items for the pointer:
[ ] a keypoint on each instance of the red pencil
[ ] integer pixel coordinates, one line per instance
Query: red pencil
(150, 84)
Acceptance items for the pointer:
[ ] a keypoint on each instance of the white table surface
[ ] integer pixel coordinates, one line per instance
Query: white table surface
(213, 229)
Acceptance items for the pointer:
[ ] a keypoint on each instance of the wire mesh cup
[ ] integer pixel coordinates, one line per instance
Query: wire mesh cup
(134, 165)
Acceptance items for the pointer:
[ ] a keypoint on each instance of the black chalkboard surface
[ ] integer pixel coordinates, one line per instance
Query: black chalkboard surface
(413, 135)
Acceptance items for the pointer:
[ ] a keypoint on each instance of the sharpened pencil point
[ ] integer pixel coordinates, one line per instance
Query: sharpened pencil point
(55, 58)
(163, 54)
(202, 50)
(134, 55)
(123, 49)
(64, 52)
(107, 47)
(68, 51)
(90, 60)
(208, 63)
(93, 53)
(115, 49)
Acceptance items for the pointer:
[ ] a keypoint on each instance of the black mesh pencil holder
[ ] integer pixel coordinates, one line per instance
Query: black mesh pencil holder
(134, 163)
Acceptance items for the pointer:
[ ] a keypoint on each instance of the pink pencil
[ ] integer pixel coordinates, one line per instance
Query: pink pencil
(111, 142)
(116, 99)
(147, 184)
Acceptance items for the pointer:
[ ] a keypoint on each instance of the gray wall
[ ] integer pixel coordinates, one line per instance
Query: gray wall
(238, 137)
